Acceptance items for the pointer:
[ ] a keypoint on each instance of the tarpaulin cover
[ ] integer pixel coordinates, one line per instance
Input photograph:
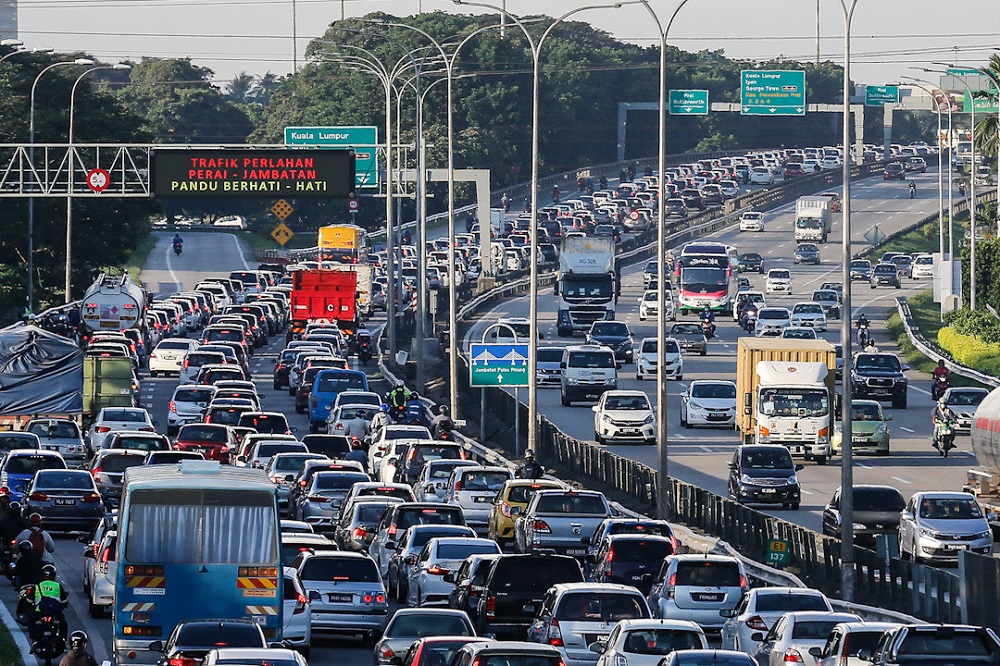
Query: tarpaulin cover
(40, 373)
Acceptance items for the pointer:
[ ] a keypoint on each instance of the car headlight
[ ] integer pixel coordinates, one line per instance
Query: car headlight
(572, 381)
(606, 418)
(929, 533)
(747, 480)
(882, 429)
(694, 405)
(988, 534)
(649, 419)
(792, 481)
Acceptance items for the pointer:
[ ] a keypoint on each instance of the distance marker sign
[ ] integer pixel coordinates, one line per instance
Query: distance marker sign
(234, 172)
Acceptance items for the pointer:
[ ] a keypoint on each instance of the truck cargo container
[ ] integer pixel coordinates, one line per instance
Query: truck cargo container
(113, 303)
(813, 221)
(323, 295)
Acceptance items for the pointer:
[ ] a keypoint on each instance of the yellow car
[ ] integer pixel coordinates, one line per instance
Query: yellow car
(512, 499)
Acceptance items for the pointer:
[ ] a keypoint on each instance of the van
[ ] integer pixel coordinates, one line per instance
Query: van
(696, 587)
(587, 372)
(325, 388)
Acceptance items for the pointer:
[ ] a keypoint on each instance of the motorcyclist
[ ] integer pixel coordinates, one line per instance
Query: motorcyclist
(940, 415)
(415, 410)
(50, 600)
(381, 418)
(359, 426)
(357, 453)
(78, 655)
(603, 182)
(941, 372)
(864, 337)
(749, 314)
(531, 469)
(442, 422)
(398, 396)
(28, 569)
(707, 314)
(39, 538)
(862, 321)
(505, 203)
(555, 194)
(913, 189)
(961, 187)
(177, 240)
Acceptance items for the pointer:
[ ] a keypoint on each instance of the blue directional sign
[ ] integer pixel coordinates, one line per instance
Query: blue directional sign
(881, 95)
(362, 139)
(499, 365)
(688, 102)
(779, 92)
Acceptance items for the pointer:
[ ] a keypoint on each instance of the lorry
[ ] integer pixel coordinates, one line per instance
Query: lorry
(587, 283)
(108, 382)
(813, 220)
(984, 481)
(365, 274)
(342, 244)
(785, 394)
(324, 295)
(112, 303)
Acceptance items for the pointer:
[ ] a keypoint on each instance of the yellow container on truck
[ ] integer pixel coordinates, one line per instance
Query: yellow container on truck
(785, 389)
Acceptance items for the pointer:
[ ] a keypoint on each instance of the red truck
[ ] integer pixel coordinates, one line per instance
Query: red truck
(324, 295)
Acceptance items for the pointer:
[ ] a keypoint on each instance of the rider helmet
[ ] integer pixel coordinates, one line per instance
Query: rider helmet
(35, 519)
(49, 572)
(383, 407)
(25, 547)
(443, 410)
(360, 414)
(529, 455)
(78, 640)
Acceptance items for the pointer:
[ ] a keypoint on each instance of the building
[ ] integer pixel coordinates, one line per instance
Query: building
(8, 19)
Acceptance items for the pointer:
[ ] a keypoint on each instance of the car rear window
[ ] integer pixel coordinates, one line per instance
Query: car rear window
(269, 450)
(203, 434)
(426, 453)
(141, 443)
(816, 630)
(635, 550)
(67, 479)
(55, 429)
(353, 569)
(534, 574)
(335, 382)
(169, 344)
(216, 635)
(420, 625)
(337, 480)
(387, 491)
(483, 481)
(31, 464)
(709, 574)
(515, 659)
(120, 462)
(661, 641)
(878, 499)
(524, 494)
(601, 607)
(10, 442)
(457, 551)
(407, 517)
(637, 527)
(198, 359)
(125, 415)
(193, 395)
(572, 503)
(369, 512)
(785, 602)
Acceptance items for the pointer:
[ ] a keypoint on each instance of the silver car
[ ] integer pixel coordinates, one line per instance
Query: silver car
(321, 502)
(62, 435)
(282, 469)
(345, 591)
(936, 526)
(409, 624)
(697, 587)
(187, 405)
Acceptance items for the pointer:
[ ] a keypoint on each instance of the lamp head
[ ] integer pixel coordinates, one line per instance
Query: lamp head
(11, 42)
(42, 49)
(83, 61)
(121, 66)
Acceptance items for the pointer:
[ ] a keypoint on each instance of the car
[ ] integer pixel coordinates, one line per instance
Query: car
(848, 640)
(936, 526)
(690, 337)
(400, 517)
(647, 642)
(358, 519)
(799, 637)
(764, 473)
(808, 314)
(615, 335)
(404, 554)
(794, 169)
(474, 489)
(405, 467)
(798, 333)
(697, 587)
(100, 573)
(118, 418)
(282, 468)
(885, 275)
(675, 207)
(67, 499)
(512, 653)
(673, 361)
(650, 274)
(876, 511)
(327, 384)
(168, 355)
(751, 262)
(191, 640)
(321, 498)
(430, 485)
(193, 361)
(829, 301)
(760, 608)
(746, 300)
(426, 577)
(879, 376)
(19, 466)
(916, 164)
(136, 441)
(468, 581)
(779, 281)
(511, 500)
(345, 591)
(692, 199)
(53, 434)
(624, 416)
(215, 441)
(108, 469)
(771, 321)
(629, 559)
(409, 624)
(649, 305)
(761, 175)
(806, 253)
(923, 267)
(869, 429)
(894, 171)
(709, 402)
(256, 656)
(861, 269)
(963, 401)
(752, 220)
(547, 371)
(904, 265)
(587, 372)
(187, 405)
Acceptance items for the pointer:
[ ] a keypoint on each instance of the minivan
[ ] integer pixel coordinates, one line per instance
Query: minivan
(326, 386)
(587, 372)
(696, 587)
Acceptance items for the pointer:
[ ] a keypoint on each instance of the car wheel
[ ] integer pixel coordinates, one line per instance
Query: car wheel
(820, 460)
(401, 591)
(680, 377)
(639, 376)
(704, 351)
(95, 610)
(795, 506)
(565, 402)
(277, 386)
(597, 438)
(684, 421)
(152, 373)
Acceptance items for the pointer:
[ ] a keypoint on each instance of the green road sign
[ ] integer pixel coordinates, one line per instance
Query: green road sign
(778, 552)
(363, 140)
(962, 71)
(689, 102)
(879, 95)
(499, 365)
(985, 105)
(779, 92)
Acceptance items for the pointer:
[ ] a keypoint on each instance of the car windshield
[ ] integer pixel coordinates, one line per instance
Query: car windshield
(418, 625)
(719, 390)
(523, 494)
(610, 328)
(660, 641)
(807, 308)
(866, 412)
(751, 256)
(685, 329)
(952, 647)
(794, 402)
(426, 516)
(787, 602)
(193, 395)
(268, 450)
(767, 459)
(588, 359)
(806, 247)
(966, 398)
(779, 275)
(825, 296)
(949, 508)
(799, 333)
(10, 441)
(627, 402)
(772, 313)
(877, 362)
(572, 503)
(549, 355)
(885, 270)
(861, 264)
(600, 607)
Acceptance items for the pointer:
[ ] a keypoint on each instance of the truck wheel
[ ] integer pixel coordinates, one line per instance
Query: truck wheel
(565, 402)
(820, 460)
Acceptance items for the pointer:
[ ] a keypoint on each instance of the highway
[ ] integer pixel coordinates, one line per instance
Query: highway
(700, 456)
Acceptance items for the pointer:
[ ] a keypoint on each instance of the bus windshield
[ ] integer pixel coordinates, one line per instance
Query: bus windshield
(708, 280)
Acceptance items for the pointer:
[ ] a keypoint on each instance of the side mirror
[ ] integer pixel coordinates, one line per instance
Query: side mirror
(89, 553)
(887, 417)
(290, 478)
(410, 559)
(757, 636)
(528, 609)
(905, 367)
(562, 365)
(156, 646)
(313, 595)
(815, 651)
(516, 510)
(392, 461)
(598, 648)
(799, 468)
(85, 539)
(390, 545)
(293, 429)
(727, 612)
(594, 408)
(865, 654)
(906, 515)
(449, 577)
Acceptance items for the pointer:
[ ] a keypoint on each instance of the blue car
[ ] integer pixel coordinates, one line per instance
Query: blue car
(18, 467)
(327, 385)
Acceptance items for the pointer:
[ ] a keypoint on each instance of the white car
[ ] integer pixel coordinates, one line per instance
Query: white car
(771, 321)
(923, 267)
(761, 176)
(118, 418)
(809, 314)
(748, 619)
(382, 439)
(168, 356)
(426, 579)
(297, 613)
(647, 642)
(430, 486)
(673, 359)
(100, 574)
(709, 402)
(798, 637)
(848, 638)
(624, 416)
(649, 305)
(752, 220)
(779, 281)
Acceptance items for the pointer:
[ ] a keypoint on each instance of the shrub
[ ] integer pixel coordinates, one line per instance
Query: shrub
(970, 351)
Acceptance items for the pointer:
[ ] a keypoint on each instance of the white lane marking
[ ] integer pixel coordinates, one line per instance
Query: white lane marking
(862, 466)
(239, 250)
(906, 429)
(170, 266)
(901, 480)
(804, 492)
(706, 449)
(924, 391)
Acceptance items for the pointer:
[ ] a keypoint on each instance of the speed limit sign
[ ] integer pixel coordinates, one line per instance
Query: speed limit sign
(98, 180)
(353, 205)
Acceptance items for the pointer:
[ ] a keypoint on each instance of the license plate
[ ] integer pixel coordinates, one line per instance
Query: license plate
(628, 431)
(958, 546)
(701, 596)
(769, 490)
(340, 598)
(718, 417)
(63, 501)
(483, 500)
(576, 551)
(859, 440)
(200, 449)
(882, 392)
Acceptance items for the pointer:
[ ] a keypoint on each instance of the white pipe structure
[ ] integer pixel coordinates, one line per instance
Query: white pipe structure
(663, 500)
(31, 200)
(22, 51)
(69, 188)
(847, 457)
(937, 107)
(536, 49)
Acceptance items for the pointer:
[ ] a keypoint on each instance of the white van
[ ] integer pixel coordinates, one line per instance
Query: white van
(587, 372)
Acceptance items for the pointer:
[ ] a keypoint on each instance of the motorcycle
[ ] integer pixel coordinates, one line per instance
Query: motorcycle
(944, 436)
(49, 642)
(708, 328)
(913, 190)
(364, 352)
(178, 248)
(864, 337)
(398, 413)
(938, 388)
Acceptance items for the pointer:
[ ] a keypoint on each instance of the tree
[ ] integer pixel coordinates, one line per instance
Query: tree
(987, 129)
(240, 89)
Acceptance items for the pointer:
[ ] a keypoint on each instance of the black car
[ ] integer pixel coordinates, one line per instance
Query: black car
(692, 199)
(751, 262)
(281, 367)
(764, 474)
(880, 377)
(517, 581)
(67, 499)
(191, 640)
(674, 207)
(616, 335)
(469, 580)
(806, 253)
(630, 559)
(894, 171)
(885, 275)
(876, 511)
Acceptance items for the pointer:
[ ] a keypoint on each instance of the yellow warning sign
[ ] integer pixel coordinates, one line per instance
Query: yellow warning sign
(282, 209)
(282, 234)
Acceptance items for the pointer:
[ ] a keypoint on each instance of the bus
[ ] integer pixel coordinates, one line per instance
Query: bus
(343, 244)
(197, 540)
(705, 277)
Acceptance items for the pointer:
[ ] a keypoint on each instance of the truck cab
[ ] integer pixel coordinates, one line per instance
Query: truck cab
(587, 283)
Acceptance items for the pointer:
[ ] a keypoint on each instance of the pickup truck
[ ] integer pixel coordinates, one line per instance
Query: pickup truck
(931, 644)
(560, 521)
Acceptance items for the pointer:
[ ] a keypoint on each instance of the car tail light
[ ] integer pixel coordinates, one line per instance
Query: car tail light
(359, 533)
(172, 407)
(102, 429)
(392, 530)
(38, 497)
(91, 497)
(671, 585)
(756, 623)
(458, 486)
(505, 509)
(4, 490)
(743, 582)
(300, 604)
(792, 656)
(96, 472)
(186, 364)
(147, 429)
(105, 556)
(436, 570)
(181, 661)
(491, 606)
(540, 527)
(317, 498)
(555, 634)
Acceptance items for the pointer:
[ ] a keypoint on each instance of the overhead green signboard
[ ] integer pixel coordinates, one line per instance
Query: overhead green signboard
(689, 102)
(362, 139)
(880, 95)
(962, 71)
(779, 92)
(984, 105)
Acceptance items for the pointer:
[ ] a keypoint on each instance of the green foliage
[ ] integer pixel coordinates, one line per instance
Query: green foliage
(971, 351)
(974, 323)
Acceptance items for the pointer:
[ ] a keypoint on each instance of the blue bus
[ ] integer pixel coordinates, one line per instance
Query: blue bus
(197, 540)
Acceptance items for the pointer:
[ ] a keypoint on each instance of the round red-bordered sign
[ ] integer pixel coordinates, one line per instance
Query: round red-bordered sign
(634, 215)
(98, 180)
(353, 205)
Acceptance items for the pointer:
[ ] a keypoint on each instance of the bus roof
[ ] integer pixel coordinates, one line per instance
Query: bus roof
(704, 248)
(197, 474)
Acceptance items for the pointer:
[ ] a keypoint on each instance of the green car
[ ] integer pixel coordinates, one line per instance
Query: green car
(869, 429)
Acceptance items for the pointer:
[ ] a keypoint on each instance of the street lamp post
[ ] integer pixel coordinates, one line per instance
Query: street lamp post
(536, 48)
(71, 163)
(31, 152)
(937, 107)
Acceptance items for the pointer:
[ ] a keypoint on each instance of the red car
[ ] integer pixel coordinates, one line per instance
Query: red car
(212, 440)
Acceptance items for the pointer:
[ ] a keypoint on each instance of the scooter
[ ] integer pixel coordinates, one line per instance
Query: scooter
(864, 337)
(944, 437)
(708, 328)
(938, 388)
(49, 642)
(364, 352)
(178, 248)
(913, 190)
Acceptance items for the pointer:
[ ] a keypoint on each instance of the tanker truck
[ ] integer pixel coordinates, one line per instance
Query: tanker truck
(984, 481)
(112, 303)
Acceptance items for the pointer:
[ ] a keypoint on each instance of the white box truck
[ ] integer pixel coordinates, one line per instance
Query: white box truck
(813, 220)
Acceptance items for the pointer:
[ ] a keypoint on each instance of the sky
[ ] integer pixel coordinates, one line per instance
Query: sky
(889, 37)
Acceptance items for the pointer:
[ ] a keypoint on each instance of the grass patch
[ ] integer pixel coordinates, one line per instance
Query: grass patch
(138, 258)
(9, 653)
(922, 239)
